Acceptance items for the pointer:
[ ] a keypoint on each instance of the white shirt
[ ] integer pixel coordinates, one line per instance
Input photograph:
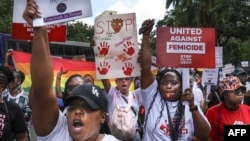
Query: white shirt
(157, 126)
(115, 97)
(198, 96)
(61, 132)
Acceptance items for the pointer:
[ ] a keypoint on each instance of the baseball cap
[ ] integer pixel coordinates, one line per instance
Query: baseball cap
(93, 95)
(230, 83)
(239, 71)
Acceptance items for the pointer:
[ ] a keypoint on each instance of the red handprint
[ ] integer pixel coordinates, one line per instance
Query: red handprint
(127, 70)
(103, 48)
(129, 48)
(104, 68)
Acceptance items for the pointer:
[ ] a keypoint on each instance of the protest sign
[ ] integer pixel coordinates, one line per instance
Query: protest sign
(116, 50)
(59, 11)
(22, 31)
(185, 47)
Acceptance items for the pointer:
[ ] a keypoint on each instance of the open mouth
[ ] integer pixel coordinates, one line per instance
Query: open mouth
(124, 85)
(77, 123)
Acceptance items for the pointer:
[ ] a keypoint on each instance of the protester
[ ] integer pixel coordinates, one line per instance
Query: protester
(212, 99)
(242, 75)
(230, 111)
(86, 107)
(120, 95)
(71, 82)
(15, 92)
(166, 118)
(198, 94)
(88, 78)
(11, 116)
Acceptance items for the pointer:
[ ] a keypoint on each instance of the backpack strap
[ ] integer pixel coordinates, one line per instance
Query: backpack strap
(132, 108)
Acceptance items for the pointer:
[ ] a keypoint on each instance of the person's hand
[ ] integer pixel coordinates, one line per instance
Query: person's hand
(31, 12)
(92, 42)
(9, 53)
(148, 25)
(61, 72)
(188, 96)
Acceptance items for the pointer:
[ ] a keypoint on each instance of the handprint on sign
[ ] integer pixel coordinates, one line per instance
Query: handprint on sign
(127, 70)
(103, 48)
(129, 48)
(104, 68)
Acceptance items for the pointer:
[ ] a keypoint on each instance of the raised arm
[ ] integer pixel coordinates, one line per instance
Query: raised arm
(147, 76)
(6, 60)
(58, 82)
(42, 99)
(106, 84)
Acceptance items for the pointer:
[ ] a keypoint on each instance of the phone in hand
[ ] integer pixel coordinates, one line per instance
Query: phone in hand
(143, 29)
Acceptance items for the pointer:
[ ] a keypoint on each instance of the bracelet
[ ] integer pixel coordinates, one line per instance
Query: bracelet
(58, 78)
(195, 108)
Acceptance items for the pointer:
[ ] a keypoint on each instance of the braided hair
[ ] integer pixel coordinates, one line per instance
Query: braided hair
(180, 109)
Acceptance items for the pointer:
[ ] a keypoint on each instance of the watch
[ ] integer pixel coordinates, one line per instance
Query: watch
(195, 108)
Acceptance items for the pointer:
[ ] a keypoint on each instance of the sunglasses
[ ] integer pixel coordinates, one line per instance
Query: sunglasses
(237, 91)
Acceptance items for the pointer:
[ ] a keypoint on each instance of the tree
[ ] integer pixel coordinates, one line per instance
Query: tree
(79, 31)
(6, 8)
(230, 18)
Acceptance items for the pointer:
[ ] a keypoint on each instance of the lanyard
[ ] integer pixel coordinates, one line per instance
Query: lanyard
(171, 128)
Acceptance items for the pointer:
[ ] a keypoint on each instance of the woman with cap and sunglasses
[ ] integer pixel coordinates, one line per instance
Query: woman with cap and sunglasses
(166, 118)
(86, 107)
(12, 121)
(230, 111)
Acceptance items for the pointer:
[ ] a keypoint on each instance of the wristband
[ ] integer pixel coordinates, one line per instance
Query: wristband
(195, 108)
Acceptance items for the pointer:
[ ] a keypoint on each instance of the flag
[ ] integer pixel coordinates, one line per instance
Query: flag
(22, 63)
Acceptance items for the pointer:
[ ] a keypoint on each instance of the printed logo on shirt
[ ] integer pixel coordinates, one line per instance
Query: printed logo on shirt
(166, 127)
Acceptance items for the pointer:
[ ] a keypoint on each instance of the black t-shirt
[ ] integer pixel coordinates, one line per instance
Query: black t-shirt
(11, 121)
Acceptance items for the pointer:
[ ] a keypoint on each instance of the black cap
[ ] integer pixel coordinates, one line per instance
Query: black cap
(239, 71)
(94, 96)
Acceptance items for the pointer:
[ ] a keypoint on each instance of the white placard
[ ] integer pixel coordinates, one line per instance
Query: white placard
(244, 63)
(210, 76)
(59, 11)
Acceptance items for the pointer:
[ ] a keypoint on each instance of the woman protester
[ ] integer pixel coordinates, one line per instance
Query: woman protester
(86, 107)
(230, 111)
(12, 121)
(166, 118)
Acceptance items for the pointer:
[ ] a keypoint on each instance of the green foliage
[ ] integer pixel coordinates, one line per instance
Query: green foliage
(6, 8)
(79, 31)
(230, 18)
